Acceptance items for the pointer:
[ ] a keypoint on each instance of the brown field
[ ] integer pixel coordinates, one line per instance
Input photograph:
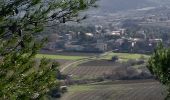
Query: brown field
(89, 71)
(123, 91)
(92, 69)
(104, 68)
(98, 63)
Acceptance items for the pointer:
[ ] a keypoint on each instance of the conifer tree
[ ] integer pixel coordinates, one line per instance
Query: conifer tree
(21, 76)
(159, 65)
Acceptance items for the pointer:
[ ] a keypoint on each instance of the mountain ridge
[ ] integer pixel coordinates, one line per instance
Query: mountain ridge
(107, 8)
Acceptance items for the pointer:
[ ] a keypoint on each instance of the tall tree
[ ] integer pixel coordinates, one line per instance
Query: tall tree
(21, 76)
(159, 65)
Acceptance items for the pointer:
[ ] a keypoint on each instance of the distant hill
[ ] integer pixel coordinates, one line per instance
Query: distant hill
(161, 2)
(108, 7)
(112, 6)
(119, 5)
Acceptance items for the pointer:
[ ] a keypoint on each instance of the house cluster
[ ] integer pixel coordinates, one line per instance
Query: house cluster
(102, 40)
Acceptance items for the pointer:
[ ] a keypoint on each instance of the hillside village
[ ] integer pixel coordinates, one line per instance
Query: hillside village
(137, 32)
(102, 40)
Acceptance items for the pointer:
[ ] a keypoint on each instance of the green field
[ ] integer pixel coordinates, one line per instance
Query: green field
(123, 56)
(123, 91)
(64, 57)
(126, 56)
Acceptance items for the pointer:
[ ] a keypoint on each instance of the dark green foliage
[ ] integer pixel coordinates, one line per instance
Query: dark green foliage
(159, 65)
(22, 77)
(115, 58)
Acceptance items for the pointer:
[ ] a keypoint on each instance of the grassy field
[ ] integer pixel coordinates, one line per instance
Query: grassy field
(123, 56)
(65, 57)
(123, 91)
(126, 56)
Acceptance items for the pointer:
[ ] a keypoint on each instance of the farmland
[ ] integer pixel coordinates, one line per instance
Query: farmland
(96, 77)
(107, 55)
(123, 91)
(105, 68)
(64, 57)
(126, 56)
(91, 69)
